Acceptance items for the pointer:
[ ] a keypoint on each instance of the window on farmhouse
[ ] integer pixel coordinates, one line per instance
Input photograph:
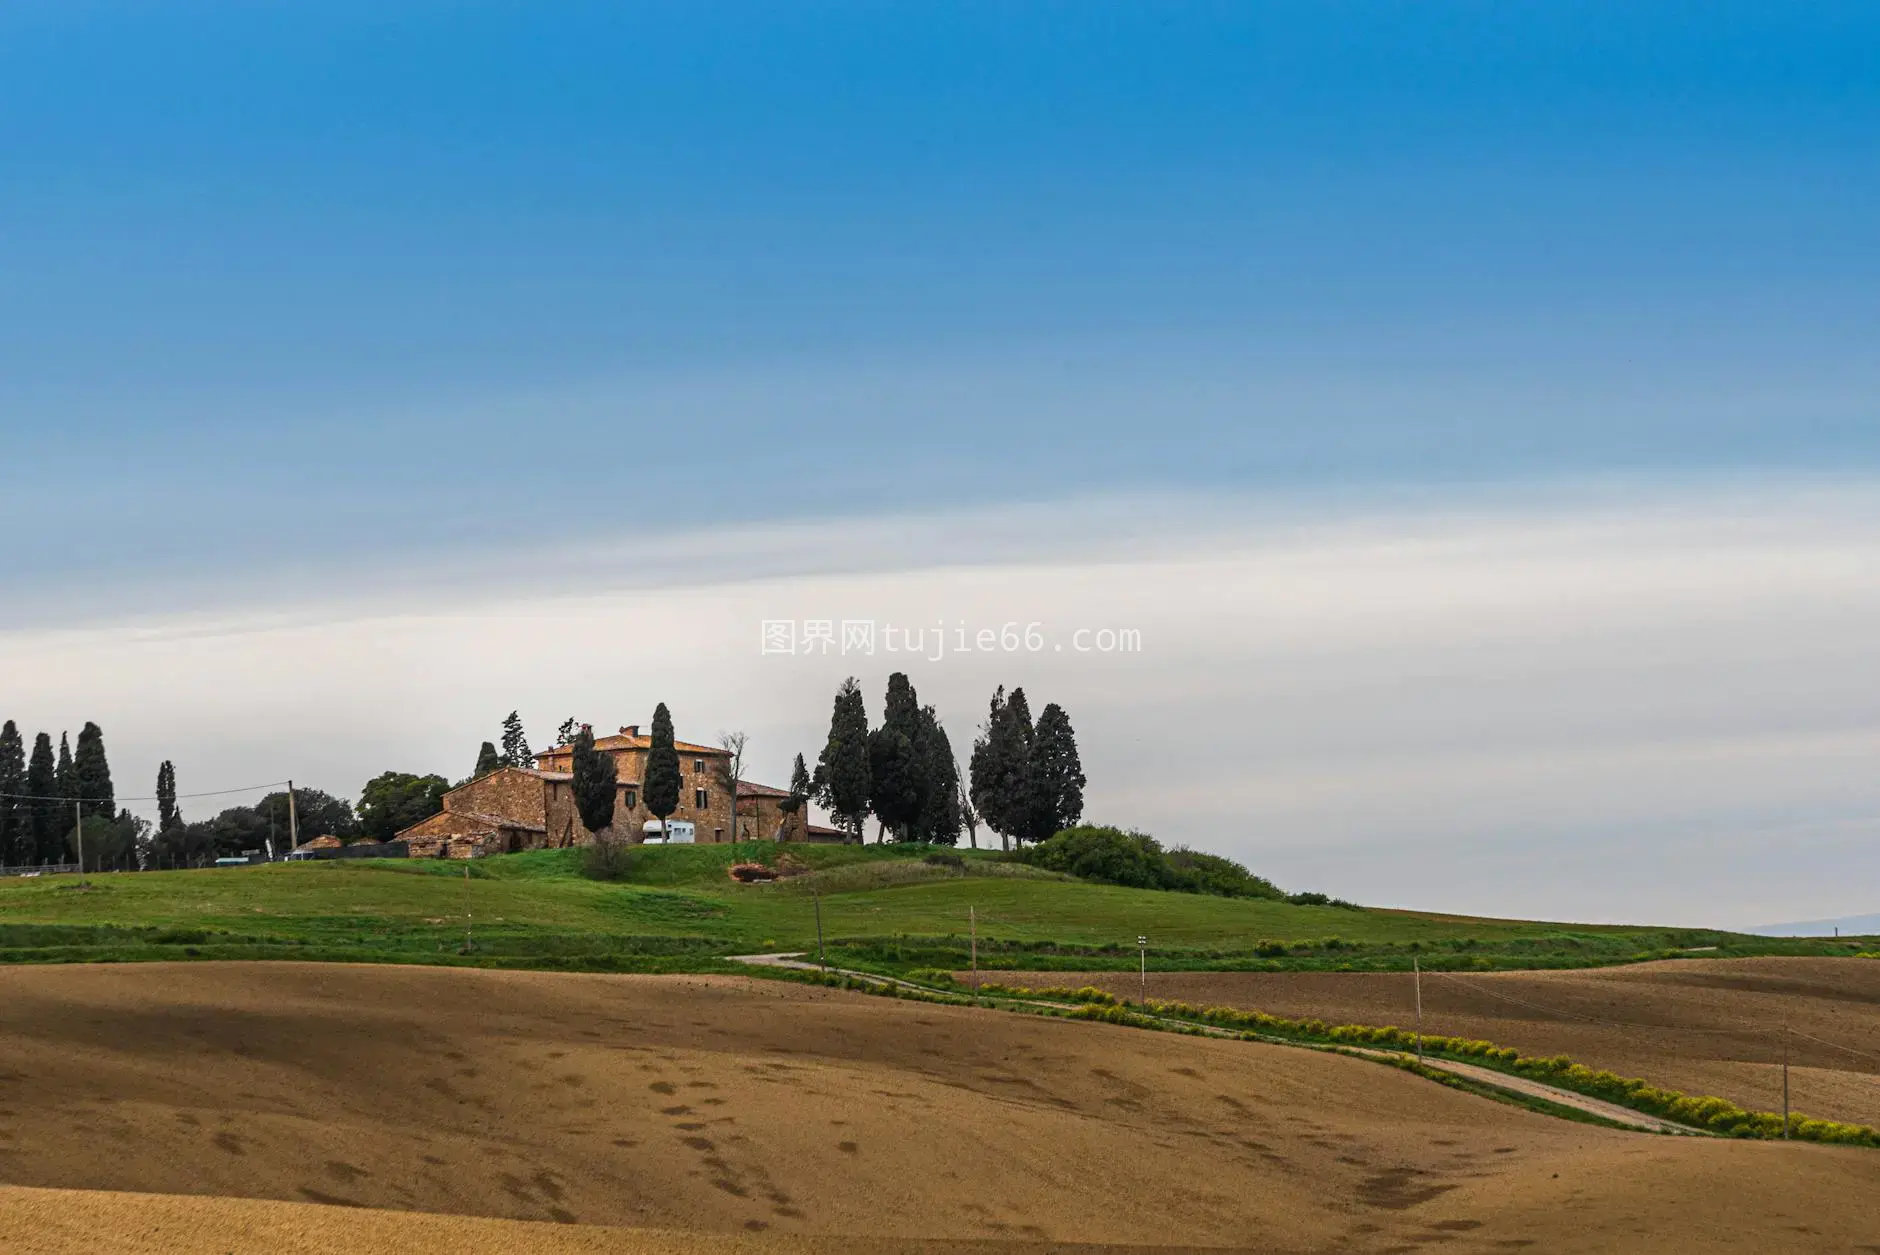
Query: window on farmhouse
(698, 766)
(698, 798)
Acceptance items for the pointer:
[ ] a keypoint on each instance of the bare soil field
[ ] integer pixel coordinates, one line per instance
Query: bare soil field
(1704, 1026)
(456, 1110)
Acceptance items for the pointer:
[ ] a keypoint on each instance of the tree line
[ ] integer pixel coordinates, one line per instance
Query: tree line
(1025, 781)
(48, 801)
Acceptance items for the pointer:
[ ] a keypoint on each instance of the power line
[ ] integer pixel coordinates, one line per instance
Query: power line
(149, 797)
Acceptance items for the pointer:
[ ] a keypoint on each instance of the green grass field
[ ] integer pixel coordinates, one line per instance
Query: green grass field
(882, 908)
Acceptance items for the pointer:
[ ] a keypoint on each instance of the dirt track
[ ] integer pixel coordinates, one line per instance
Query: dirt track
(763, 1113)
(1714, 1024)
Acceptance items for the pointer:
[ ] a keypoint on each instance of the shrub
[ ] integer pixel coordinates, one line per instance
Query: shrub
(751, 873)
(1110, 855)
(1137, 860)
(1192, 871)
(607, 860)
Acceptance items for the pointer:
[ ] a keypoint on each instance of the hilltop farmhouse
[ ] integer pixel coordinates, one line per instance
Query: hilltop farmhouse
(532, 808)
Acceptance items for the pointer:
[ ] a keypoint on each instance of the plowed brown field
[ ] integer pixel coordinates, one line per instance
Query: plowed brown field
(1703, 1026)
(539, 1112)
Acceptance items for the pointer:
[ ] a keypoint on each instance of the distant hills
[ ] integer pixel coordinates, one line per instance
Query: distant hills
(1850, 926)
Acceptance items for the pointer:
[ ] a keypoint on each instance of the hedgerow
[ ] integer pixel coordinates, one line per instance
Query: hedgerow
(1716, 1115)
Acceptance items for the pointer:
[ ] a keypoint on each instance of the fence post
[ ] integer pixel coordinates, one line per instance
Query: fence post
(1416, 968)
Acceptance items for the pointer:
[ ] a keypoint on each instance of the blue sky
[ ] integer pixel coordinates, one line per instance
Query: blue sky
(1475, 405)
(308, 282)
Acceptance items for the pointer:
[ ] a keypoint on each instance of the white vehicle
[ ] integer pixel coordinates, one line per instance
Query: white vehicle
(674, 832)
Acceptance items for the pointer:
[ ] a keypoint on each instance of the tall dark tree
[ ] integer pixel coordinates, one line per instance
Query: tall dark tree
(92, 774)
(487, 761)
(68, 779)
(515, 744)
(1056, 776)
(42, 782)
(564, 735)
(1001, 767)
(897, 776)
(595, 776)
(167, 814)
(800, 788)
(16, 829)
(841, 781)
(393, 801)
(939, 818)
(659, 791)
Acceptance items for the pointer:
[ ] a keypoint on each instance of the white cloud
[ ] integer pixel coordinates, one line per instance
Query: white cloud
(1656, 702)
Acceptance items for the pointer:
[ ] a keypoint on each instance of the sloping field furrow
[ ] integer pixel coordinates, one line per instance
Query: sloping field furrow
(767, 1112)
(1710, 1026)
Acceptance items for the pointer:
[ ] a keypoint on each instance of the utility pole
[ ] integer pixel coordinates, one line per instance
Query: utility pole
(468, 944)
(1785, 1082)
(1142, 970)
(78, 830)
(972, 920)
(1416, 968)
(820, 961)
(293, 823)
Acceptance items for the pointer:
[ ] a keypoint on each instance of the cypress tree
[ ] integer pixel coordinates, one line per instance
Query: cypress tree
(15, 810)
(939, 820)
(841, 781)
(167, 814)
(42, 782)
(595, 775)
(68, 786)
(983, 770)
(92, 774)
(515, 744)
(1015, 784)
(488, 761)
(799, 787)
(1056, 777)
(659, 791)
(1001, 767)
(897, 772)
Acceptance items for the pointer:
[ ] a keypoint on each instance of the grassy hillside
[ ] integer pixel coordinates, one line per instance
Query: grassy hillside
(882, 907)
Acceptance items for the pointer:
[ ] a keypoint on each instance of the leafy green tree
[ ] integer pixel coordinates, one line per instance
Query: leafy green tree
(167, 814)
(659, 791)
(564, 735)
(105, 846)
(1056, 776)
(897, 774)
(395, 800)
(595, 776)
(183, 845)
(487, 761)
(16, 829)
(841, 781)
(939, 820)
(317, 813)
(92, 774)
(42, 782)
(515, 744)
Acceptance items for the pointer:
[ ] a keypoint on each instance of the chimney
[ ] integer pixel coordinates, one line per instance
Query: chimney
(632, 729)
